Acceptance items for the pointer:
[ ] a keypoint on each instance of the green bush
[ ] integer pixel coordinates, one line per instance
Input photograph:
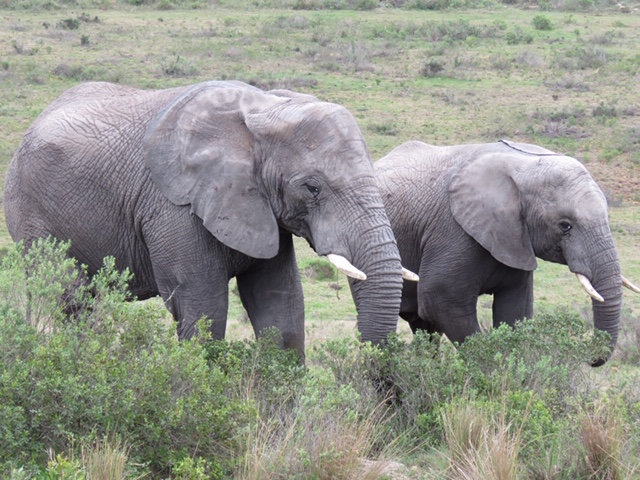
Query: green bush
(542, 22)
(413, 379)
(260, 370)
(432, 68)
(69, 24)
(545, 354)
(517, 35)
(535, 367)
(117, 369)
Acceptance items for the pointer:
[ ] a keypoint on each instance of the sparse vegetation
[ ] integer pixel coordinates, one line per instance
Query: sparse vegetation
(114, 395)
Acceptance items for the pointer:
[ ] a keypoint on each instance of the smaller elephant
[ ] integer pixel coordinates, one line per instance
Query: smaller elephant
(471, 220)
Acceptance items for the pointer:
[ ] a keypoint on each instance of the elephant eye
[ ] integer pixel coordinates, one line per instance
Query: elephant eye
(565, 227)
(313, 189)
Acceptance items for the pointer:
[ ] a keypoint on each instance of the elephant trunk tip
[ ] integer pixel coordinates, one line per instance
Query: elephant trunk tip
(599, 362)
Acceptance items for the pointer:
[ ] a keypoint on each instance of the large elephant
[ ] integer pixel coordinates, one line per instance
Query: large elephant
(191, 186)
(471, 220)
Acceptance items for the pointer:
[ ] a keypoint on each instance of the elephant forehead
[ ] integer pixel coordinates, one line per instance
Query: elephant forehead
(325, 123)
(567, 185)
(570, 174)
(327, 143)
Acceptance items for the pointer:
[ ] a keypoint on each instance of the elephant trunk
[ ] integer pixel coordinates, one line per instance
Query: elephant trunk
(377, 298)
(606, 315)
(607, 281)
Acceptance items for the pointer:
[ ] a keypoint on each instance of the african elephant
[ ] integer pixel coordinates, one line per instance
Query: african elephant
(191, 186)
(471, 220)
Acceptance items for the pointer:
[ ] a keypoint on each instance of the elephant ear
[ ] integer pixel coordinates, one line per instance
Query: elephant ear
(200, 151)
(485, 201)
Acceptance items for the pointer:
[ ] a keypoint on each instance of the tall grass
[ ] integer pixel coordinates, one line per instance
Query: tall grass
(602, 438)
(479, 445)
(106, 460)
(321, 445)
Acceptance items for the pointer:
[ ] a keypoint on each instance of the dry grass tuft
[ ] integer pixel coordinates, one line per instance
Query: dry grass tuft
(602, 436)
(322, 445)
(479, 445)
(106, 460)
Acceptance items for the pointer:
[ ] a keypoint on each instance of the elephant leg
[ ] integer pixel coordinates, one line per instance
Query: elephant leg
(409, 310)
(271, 293)
(192, 290)
(409, 304)
(455, 319)
(190, 300)
(190, 268)
(419, 324)
(448, 310)
(516, 302)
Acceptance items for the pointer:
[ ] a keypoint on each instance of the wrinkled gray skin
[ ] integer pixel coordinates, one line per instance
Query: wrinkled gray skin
(471, 220)
(189, 187)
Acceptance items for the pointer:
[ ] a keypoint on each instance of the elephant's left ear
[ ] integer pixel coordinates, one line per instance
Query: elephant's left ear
(200, 152)
(485, 201)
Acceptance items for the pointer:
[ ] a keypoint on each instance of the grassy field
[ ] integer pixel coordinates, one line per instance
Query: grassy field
(566, 80)
(443, 77)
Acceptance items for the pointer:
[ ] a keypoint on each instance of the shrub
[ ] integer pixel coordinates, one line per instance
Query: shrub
(606, 111)
(116, 370)
(517, 35)
(386, 128)
(431, 68)
(545, 355)
(261, 371)
(542, 22)
(113, 389)
(582, 58)
(177, 67)
(335, 4)
(320, 269)
(413, 379)
(69, 24)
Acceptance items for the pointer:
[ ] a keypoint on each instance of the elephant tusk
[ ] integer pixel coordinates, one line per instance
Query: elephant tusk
(409, 275)
(345, 267)
(586, 284)
(630, 285)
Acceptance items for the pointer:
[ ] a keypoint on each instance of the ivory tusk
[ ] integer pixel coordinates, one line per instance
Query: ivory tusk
(409, 275)
(630, 285)
(586, 284)
(345, 267)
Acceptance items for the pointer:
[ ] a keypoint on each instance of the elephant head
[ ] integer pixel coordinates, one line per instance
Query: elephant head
(250, 163)
(540, 204)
